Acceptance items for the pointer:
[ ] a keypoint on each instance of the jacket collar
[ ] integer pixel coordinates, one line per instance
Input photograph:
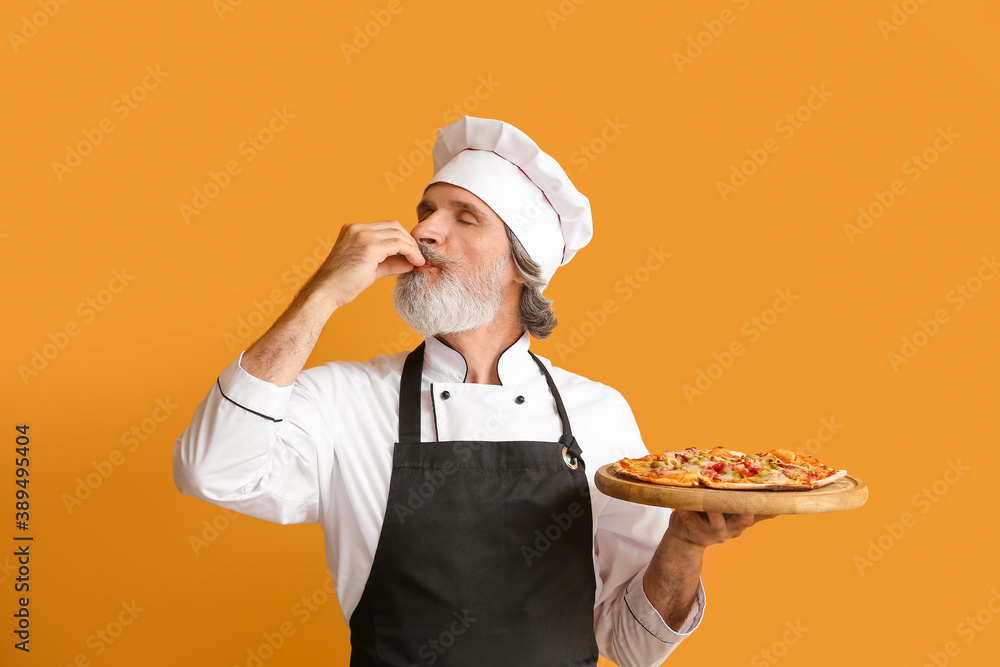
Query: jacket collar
(443, 363)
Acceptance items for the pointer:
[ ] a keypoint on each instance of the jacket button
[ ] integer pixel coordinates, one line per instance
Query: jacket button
(446, 395)
(519, 400)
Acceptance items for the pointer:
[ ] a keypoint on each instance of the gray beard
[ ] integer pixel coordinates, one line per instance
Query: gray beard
(449, 305)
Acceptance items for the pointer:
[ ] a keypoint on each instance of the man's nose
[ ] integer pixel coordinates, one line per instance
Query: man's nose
(430, 230)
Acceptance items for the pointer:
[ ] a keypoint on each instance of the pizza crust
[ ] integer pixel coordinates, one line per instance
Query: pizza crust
(680, 478)
(676, 479)
(840, 474)
(744, 486)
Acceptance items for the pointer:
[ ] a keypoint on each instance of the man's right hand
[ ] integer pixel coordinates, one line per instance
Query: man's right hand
(362, 254)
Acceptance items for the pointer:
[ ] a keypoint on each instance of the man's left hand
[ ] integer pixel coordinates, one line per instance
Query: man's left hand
(671, 580)
(704, 529)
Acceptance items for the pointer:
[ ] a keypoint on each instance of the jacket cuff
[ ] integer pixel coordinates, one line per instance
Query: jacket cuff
(645, 613)
(254, 395)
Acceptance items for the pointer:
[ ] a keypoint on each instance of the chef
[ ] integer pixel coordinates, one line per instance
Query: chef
(454, 482)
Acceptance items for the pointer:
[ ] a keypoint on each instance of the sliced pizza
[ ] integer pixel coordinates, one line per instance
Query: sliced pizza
(721, 468)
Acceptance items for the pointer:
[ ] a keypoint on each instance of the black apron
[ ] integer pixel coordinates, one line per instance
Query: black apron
(486, 551)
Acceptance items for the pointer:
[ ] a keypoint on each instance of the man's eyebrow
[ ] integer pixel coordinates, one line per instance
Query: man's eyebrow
(468, 206)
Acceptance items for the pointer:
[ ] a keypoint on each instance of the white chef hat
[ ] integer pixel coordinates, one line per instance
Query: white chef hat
(523, 185)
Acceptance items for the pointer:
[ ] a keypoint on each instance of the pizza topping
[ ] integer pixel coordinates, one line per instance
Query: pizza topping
(784, 455)
(721, 468)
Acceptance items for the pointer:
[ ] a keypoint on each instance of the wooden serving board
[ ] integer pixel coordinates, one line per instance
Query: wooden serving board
(846, 493)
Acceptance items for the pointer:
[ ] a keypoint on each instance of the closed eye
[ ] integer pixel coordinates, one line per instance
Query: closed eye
(423, 210)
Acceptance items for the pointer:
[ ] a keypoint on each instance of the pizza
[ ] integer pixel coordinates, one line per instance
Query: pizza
(721, 468)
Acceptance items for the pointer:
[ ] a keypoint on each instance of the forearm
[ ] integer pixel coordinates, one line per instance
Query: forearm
(362, 254)
(281, 353)
(671, 580)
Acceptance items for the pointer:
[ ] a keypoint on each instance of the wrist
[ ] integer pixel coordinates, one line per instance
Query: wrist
(671, 580)
(316, 303)
(674, 555)
(680, 546)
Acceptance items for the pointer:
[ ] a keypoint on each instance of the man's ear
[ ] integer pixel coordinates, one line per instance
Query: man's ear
(513, 265)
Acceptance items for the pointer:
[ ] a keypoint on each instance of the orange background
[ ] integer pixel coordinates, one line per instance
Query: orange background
(868, 586)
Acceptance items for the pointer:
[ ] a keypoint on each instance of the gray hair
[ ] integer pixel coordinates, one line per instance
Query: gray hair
(535, 311)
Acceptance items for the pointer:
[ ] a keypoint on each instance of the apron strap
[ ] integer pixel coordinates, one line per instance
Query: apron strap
(409, 396)
(567, 436)
(409, 400)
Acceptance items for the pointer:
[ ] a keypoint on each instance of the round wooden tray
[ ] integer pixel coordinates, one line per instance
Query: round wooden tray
(846, 493)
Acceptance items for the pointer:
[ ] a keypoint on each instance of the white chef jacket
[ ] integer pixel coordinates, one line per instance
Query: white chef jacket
(320, 450)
